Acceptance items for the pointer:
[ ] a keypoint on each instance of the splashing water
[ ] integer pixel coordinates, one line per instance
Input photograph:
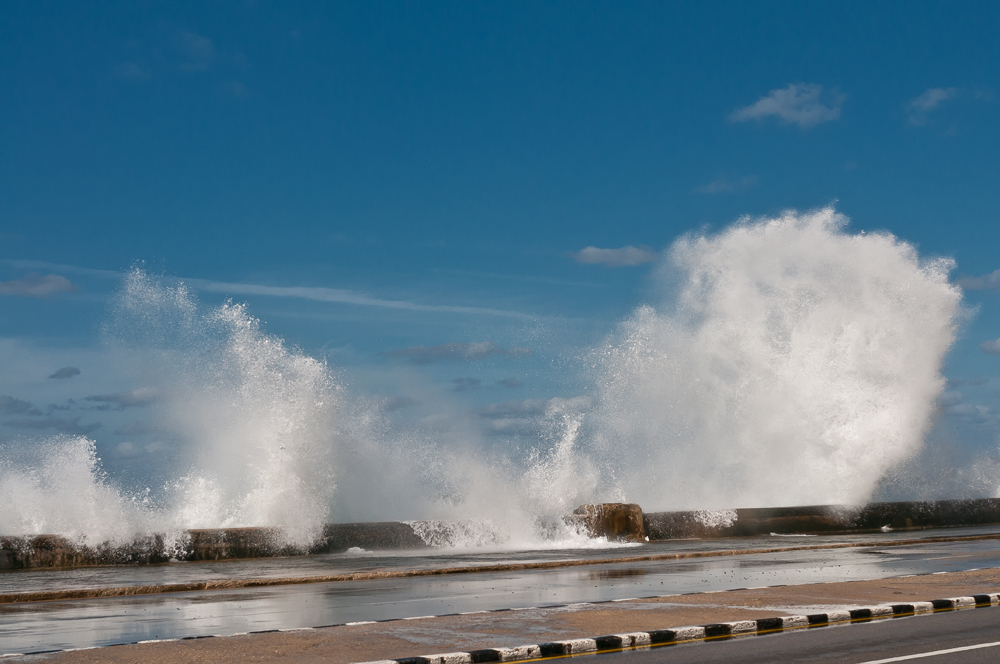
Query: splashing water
(58, 487)
(796, 365)
(253, 431)
(789, 362)
(255, 422)
(260, 435)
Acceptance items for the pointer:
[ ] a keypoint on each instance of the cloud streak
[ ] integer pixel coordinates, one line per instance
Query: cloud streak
(317, 294)
(918, 108)
(799, 103)
(66, 372)
(137, 428)
(989, 281)
(35, 285)
(726, 186)
(62, 425)
(139, 397)
(456, 352)
(466, 384)
(622, 257)
(341, 296)
(527, 416)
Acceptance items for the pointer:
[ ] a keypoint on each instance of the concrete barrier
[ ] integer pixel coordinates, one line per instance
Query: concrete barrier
(936, 514)
(53, 551)
(820, 519)
(709, 524)
(339, 537)
(230, 543)
(616, 521)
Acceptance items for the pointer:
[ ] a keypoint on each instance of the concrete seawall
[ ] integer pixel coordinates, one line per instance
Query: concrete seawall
(625, 522)
(819, 519)
(53, 551)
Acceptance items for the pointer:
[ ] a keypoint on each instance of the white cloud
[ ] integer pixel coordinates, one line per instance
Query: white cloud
(125, 450)
(131, 70)
(513, 409)
(139, 397)
(724, 185)
(989, 281)
(991, 347)
(975, 381)
(197, 50)
(466, 384)
(622, 257)
(35, 285)
(456, 351)
(799, 104)
(527, 417)
(138, 428)
(918, 107)
(60, 424)
(129, 449)
(954, 404)
(74, 269)
(394, 403)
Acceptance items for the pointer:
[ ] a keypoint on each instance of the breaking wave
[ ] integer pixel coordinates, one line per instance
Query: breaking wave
(786, 361)
(789, 362)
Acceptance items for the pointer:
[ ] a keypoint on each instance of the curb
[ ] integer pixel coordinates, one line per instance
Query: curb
(713, 632)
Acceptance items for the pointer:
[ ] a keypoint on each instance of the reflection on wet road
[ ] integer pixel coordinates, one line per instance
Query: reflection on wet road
(31, 627)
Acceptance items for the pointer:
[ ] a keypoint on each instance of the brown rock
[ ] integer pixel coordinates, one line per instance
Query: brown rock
(620, 522)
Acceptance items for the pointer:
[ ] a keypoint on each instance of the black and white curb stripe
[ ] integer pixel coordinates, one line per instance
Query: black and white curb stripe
(716, 631)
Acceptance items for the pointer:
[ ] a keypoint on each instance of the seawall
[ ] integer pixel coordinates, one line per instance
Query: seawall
(821, 519)
(624, 522)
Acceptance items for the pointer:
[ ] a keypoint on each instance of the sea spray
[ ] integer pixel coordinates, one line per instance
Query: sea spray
(788, 362)
(254, 423)
(58, 487)
(253, 433)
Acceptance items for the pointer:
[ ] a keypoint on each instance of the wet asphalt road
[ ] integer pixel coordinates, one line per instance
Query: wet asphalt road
(855, 644)
(32, 627)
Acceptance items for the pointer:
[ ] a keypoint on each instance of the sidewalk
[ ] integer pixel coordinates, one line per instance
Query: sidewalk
(408, 638)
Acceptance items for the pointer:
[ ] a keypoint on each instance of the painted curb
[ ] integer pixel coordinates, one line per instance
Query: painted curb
(713, 632)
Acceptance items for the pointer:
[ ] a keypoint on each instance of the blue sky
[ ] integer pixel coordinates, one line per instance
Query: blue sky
(376, 177)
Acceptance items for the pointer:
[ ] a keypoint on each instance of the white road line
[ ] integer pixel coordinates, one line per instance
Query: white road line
(932, 654)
